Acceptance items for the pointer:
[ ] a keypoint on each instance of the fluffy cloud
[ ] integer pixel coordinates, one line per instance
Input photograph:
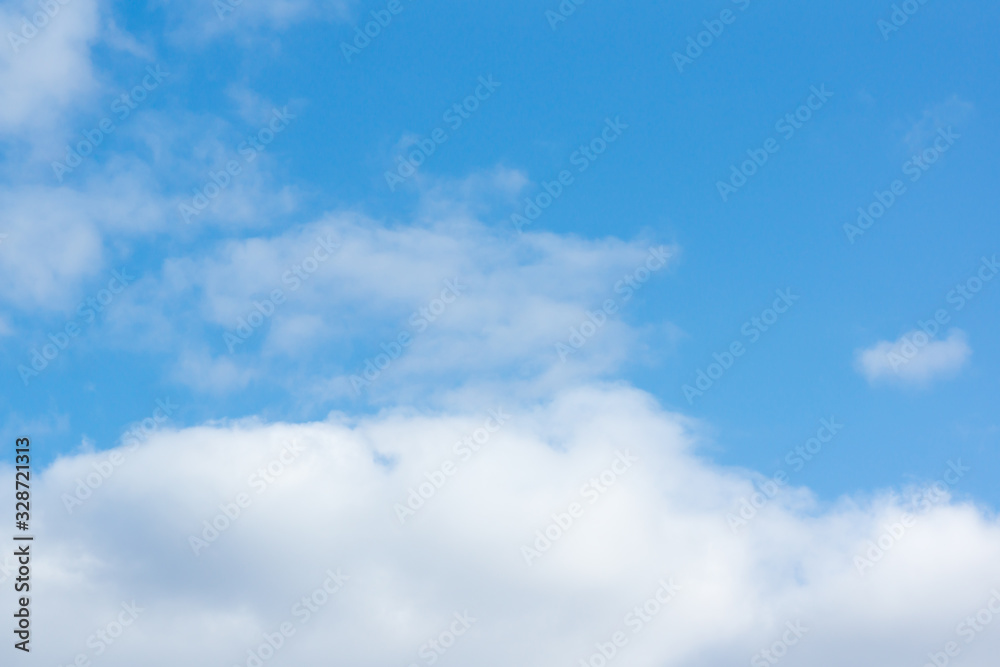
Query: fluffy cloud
(469, 301)
(45, 66)
(915, 359)
(884, 581)
(56, 235)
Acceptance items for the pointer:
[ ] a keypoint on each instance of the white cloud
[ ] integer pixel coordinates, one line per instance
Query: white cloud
(56, 236)
(47, 75)
(915, 359)
(331, 506)
(516, 301)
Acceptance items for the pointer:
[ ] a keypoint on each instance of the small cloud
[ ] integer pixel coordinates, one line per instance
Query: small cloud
(915, 359)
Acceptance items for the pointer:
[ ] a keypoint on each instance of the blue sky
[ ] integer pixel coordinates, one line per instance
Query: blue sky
(783, 229)
(234, 245)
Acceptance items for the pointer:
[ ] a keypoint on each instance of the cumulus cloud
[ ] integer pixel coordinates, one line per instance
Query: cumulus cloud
(915, 359)
(570, 515)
